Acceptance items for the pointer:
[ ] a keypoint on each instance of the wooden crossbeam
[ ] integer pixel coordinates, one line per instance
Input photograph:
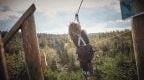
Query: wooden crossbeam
(18, 24)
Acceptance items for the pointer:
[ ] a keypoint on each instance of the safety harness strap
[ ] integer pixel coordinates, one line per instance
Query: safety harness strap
(81, 39)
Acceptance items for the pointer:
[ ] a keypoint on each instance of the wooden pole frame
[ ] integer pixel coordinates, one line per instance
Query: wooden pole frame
(31, 48)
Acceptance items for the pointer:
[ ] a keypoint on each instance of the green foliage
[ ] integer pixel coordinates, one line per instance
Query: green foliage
(113, 59)
(42, 44)
(50, 75)
(16, 67)
(62, 75)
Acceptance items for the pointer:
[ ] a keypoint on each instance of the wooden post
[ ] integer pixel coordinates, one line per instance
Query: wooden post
(3, 66)
(138, 39)
(138, 42)
(31, 49)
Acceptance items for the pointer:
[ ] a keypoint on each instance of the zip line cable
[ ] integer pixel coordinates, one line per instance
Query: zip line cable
(113, 37)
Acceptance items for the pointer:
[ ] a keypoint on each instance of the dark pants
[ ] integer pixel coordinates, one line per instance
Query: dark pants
(85, 55)
(86, 67)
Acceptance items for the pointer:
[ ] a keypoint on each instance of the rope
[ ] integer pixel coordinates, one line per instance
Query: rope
(76, 15)
(79, 6)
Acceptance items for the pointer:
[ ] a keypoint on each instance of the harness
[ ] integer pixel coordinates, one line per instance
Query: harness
(80, 39)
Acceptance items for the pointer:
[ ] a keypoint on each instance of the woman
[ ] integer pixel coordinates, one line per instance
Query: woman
(83, 48)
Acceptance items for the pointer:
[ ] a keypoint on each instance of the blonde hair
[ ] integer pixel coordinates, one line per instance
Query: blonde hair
(74, 29)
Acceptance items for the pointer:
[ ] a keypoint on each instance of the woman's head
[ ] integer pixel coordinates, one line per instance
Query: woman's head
(74, 29)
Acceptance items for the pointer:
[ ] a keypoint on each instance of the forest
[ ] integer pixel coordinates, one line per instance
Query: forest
(113, 58)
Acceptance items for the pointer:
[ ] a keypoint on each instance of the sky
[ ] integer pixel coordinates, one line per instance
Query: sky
(54, 16)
